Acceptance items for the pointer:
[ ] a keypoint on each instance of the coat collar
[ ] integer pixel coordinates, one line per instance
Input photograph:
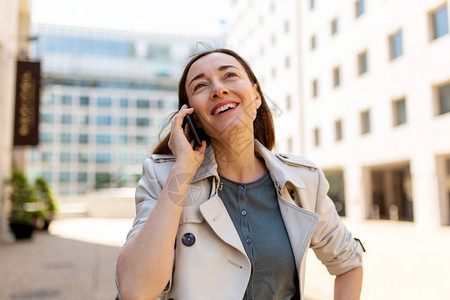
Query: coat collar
(279, 170)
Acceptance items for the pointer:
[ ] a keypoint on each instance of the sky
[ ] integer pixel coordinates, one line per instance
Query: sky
(191, 17)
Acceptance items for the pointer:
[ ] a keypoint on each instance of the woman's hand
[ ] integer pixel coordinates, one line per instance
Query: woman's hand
(180, 146)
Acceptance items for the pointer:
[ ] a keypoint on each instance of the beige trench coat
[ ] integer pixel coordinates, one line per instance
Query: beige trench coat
(216, 265)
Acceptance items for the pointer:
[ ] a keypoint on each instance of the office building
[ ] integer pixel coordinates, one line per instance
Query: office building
(106, 94)
(374, 98)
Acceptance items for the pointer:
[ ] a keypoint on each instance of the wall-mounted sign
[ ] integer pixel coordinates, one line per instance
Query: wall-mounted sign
(26, 121)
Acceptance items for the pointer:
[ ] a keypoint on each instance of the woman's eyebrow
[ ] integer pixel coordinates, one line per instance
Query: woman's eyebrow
(221, 68)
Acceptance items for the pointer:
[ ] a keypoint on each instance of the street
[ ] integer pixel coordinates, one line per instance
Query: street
(75, 260)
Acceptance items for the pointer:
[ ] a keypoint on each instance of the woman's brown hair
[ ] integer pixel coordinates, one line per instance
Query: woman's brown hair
(262, 126)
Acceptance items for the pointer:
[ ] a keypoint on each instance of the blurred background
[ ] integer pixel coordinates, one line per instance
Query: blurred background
(361, 87)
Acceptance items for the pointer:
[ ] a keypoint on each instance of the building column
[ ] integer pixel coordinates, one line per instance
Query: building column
(425, 190)
(355, 200)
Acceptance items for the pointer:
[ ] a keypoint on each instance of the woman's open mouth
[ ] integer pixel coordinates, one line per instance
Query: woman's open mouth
(224, 108)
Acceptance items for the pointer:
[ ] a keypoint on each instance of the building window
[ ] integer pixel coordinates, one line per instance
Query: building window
(82, 176)
(141, 139)
(65, 138)
(64, 157)
(334, 26)
(102, 178)
(312, 4)
(142, 103)
(66, 100)
(64, 177)
(444, 99)
(288, 102)
(336, 77)
(142, 122)
(123, 102)
(103, 139)
(83, 138)
(362, 63)
(316, 137)
(315, 88)
(338, 130)
(66, 119)
(359, 7)
(104, 102)
(47, 156)
(47, 118)
(313, 42)
(83, 157)
(365, 122)
(123, 139)
(439, 21)
(399, 111)
(287, 62)
(103, 158)
(123, 121)
(48, 98)
(84, 119)
(395, 45)
(103, 120)
(123, 158)
(47, 176)
(46, 137)
(161, 104)
(84, 101)
(140, 158)
(274, 72)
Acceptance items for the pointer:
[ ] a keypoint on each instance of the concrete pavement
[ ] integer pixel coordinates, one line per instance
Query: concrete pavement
(76, 261)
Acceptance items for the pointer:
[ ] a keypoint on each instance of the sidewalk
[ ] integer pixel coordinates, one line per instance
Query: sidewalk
(76, 261)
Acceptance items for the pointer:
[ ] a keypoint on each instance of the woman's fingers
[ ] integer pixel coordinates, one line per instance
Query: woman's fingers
(179, 117)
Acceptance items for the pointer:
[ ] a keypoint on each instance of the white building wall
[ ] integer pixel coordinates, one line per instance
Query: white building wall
(424, 64)
(14, 18)
(265, 34)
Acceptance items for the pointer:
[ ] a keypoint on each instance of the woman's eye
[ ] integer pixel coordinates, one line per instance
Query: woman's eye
(230, 75)
(198, 86)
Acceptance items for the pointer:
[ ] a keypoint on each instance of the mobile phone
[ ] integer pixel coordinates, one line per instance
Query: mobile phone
(193, 131)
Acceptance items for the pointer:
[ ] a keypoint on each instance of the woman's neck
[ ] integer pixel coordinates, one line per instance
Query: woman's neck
(237, 161)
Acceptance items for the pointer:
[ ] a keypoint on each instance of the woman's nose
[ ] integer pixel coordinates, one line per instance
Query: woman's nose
(219, 90)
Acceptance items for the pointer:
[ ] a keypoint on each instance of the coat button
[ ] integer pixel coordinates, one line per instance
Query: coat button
(188, 239)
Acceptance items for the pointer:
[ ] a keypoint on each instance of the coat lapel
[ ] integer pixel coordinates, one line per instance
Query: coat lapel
(216, 215)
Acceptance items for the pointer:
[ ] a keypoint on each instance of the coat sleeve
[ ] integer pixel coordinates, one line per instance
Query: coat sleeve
(147, 193)
(332, 242)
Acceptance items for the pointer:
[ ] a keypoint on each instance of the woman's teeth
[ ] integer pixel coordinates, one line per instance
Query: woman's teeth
(224, 108)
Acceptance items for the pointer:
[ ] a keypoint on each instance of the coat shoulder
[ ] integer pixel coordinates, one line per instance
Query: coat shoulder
(296, 161)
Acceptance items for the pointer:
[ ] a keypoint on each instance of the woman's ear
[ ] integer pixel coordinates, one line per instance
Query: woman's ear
(257, 96)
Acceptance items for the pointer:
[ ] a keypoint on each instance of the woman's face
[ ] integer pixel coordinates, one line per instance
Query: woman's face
(222, 95)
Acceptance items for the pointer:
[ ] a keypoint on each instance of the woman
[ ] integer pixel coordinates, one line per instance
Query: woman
(230, 219)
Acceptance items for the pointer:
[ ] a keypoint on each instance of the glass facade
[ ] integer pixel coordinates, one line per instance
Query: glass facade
(106, 110)
(104, 120)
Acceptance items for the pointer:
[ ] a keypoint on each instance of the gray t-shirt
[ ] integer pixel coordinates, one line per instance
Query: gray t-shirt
(254, 210)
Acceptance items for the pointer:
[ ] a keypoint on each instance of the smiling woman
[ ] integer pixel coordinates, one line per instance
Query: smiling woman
(230, 219)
